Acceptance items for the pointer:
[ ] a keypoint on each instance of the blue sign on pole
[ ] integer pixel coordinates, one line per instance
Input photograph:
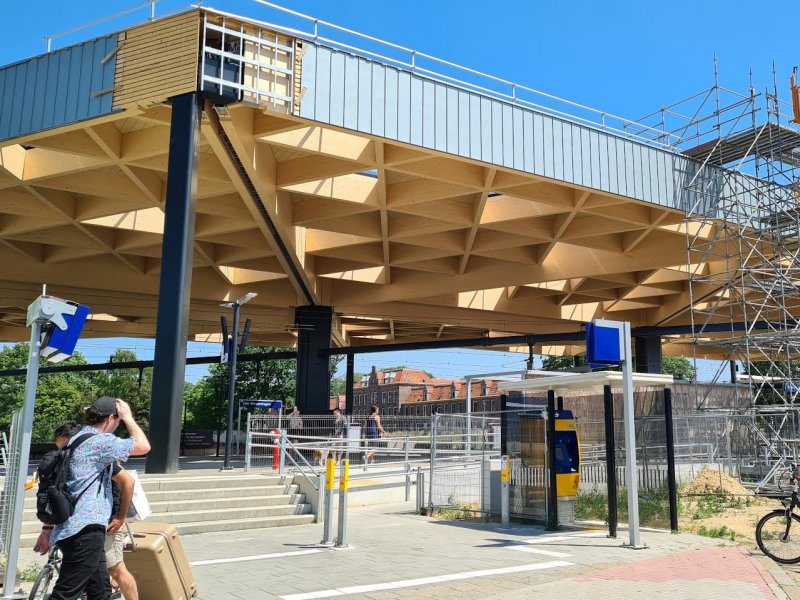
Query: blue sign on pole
(602, 345)
(277, 404)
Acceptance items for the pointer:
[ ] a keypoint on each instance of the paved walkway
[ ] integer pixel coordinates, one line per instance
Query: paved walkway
(395, 554)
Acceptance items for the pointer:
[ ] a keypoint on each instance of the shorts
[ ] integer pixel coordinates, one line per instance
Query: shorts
(113, 548)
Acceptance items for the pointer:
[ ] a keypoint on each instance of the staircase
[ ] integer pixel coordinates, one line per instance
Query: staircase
(204, 503)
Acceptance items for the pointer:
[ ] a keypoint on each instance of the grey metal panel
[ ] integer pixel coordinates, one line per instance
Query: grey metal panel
(497, 134)
(344, 93)
(440, 118)
(366, 93)
(519, 141)
(428, 114)
(538, 144)
(58, 88)
(463, 124)
(452, 128)
(475, 147)
(390, 108)
(547, 138)
(377, 122)
(380, 99)
(417, 111)
(527, 140)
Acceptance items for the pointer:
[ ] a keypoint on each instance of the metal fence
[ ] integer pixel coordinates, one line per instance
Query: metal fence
(9, 451)
(459, 455)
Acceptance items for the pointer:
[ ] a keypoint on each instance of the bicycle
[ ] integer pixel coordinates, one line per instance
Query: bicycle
(774, 534)
(47, 577)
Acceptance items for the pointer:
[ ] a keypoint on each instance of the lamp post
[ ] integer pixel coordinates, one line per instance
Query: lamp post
(233, 348)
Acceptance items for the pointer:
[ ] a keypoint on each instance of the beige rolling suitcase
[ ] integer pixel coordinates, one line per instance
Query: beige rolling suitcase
(158, 563)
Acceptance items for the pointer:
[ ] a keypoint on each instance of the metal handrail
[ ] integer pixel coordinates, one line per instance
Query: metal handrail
(414, 55)
(284, 439)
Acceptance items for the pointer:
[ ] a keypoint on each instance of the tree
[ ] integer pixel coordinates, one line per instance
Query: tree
(264, 380)
(131, 385)
(558, 363)
(338, 384)
(679, 367)
(59, 396)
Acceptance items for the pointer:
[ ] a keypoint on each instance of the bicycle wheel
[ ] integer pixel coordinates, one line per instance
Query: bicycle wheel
(773, 540)
(41, 587)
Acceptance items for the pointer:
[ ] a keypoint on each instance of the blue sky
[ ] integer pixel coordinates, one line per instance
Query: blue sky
(624, 57)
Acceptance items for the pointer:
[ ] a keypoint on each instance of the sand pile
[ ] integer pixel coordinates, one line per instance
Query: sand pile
(712, 481)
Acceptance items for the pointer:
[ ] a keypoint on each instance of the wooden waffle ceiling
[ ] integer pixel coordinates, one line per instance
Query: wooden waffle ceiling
(407, 245)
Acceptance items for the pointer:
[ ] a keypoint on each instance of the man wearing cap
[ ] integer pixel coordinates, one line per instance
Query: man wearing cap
(80, 538)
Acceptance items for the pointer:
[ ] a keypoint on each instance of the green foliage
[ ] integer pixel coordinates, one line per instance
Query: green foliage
(265, 380)
(31, 572)
(63, 396)
(679, 367)
(557, 363)
(717, 532)
(653, 507)
(59, 396)
(712, 505)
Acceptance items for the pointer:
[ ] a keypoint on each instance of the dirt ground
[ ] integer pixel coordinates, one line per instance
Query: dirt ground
(717, 505)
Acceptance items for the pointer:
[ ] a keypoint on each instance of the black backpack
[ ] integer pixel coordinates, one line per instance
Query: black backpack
(54, 503)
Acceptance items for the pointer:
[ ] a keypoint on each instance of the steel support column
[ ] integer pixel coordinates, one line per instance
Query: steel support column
(648, 354)
(611, 460)
(313, 362)
(348, 384)
(552, 491)
(172, 326)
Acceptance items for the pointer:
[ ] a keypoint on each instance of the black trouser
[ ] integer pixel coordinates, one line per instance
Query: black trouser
(83, 567)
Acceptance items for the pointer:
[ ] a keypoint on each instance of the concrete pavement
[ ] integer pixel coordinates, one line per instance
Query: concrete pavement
(395, 554)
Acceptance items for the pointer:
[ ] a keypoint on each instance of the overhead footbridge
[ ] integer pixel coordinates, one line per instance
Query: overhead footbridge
(154, 172)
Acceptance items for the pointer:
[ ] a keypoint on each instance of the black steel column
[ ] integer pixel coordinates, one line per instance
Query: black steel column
(233, 351)
(177, 250)
(313, 364)
(348, 384)
(552, 482)
(611, 461)
(732, 367)
(648, 354)
(671, 484)
(560, 404)
(503, 425)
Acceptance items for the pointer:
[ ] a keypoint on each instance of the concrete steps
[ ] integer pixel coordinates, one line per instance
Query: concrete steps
(214, 502)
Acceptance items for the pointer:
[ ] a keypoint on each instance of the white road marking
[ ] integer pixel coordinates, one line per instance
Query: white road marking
(563, 538)
(538, 551)
(406, 583)
(220, 561)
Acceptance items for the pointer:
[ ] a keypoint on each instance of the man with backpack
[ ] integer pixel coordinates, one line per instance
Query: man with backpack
(78, 498)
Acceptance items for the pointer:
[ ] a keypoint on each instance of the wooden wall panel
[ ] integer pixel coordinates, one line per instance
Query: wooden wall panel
(158, 60)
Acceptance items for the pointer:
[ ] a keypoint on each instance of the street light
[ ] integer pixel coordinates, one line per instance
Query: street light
(232, 343)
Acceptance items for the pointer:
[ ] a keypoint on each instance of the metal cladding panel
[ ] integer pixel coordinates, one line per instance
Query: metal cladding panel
(382, 100)
(58, 88)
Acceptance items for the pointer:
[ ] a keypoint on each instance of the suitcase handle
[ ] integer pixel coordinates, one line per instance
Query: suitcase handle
(131, 537)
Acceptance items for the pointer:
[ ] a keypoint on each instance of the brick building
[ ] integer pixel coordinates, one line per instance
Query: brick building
(413, 392)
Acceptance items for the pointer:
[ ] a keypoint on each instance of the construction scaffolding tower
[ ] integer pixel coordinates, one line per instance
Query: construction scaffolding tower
(743, 233)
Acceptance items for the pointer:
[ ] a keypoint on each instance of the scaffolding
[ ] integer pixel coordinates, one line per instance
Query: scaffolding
(743, 241)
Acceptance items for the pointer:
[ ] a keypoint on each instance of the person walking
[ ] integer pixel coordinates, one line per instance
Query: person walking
(338, 433)
(81, 537)
(373, 432)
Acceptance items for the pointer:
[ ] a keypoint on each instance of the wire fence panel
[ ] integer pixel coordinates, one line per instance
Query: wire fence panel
(465, 451)
(10, 455)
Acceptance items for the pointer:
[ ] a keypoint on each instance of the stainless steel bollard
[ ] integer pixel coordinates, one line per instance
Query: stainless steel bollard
(505, 490)
(344, 484)
(420, 490)
(330, 477)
